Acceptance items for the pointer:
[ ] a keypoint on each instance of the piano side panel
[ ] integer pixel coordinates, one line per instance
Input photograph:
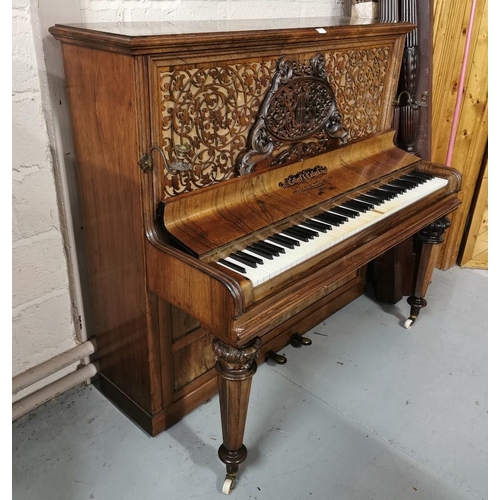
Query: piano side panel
(104, 115)
(211, 102)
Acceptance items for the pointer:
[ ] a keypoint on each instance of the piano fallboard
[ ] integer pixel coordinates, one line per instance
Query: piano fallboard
(210, 220)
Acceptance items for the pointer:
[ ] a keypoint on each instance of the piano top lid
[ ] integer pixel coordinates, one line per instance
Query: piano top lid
(159, 36)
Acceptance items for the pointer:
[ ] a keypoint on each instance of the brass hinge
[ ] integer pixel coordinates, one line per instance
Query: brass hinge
(146, 163)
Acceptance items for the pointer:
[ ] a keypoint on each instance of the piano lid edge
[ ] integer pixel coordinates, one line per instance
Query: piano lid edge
(168, 269)
(453, 175)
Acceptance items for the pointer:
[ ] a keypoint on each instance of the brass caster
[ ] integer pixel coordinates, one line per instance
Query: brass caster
(228, 484)
(278, 358)
(298, 340)
(409, 322)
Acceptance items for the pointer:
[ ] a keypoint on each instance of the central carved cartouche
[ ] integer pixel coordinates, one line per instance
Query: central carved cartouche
(300, 103)
(299, 109)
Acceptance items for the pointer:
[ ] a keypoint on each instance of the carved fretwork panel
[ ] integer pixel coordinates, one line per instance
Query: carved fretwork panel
(213, 109)
(357, 77)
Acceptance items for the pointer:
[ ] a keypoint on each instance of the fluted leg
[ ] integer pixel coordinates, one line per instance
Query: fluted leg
(429, 241)
(235, 368)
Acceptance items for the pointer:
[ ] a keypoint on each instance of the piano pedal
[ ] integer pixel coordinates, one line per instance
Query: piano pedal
(298, 340)
(277, 358)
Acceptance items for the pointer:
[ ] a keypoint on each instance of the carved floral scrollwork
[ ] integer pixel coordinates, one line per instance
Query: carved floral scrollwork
(211, 110)
(358, 77)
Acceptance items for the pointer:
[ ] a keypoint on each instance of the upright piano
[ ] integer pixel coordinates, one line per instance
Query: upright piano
(236, 179)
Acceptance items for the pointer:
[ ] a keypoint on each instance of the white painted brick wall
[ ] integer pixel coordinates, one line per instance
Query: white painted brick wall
(42, 320)
(157, 10)
(42, 324)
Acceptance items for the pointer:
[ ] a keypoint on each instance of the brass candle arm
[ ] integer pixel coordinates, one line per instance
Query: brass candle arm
(411, 100)
(180, 165)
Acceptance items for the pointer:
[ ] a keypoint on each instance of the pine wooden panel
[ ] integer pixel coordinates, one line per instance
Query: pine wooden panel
(475, 254)
(450, 30)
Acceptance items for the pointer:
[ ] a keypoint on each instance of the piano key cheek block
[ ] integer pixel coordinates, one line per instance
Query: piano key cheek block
(233, 196)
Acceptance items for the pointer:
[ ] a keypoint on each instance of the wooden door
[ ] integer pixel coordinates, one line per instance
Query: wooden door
(475, 251)
(451, 21)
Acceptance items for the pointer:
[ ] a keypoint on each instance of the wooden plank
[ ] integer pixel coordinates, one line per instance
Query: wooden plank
(451, 20)
(475, 253)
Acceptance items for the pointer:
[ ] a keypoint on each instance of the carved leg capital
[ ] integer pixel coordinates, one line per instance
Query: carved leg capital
(233, 363)
(433, 234)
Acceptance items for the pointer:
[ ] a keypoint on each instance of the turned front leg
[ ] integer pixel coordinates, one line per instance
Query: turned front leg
(235, 368)
(428, 245)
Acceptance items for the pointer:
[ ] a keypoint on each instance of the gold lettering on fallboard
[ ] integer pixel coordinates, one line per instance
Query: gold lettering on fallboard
(303, 176)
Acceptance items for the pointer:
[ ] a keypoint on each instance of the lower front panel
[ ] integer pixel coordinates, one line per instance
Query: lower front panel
(187, 373)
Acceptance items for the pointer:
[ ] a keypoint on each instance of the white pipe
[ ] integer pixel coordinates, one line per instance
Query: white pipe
(38, 398)
(43, 370)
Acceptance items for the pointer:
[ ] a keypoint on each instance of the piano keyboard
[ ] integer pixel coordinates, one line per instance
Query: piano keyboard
(268, 258)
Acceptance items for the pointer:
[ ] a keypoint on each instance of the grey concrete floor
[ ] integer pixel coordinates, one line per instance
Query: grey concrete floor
(370, 411)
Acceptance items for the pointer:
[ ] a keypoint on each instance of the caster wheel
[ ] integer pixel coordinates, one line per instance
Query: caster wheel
(409, 323)
(228, 485)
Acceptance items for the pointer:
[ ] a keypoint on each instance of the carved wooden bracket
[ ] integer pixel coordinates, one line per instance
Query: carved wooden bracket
(434, 233)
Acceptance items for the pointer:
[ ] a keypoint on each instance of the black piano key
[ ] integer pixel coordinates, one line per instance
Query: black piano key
(243, 260)
(235, 267)
(411, 178)
(397, 186)
(358, 205)
(330, 218)
(344, 211)
(284, 240)
(404, 183)
(382, 195)
(259, 251)
(422, 175)
(292, 232)
(391, 189)
(305, 231)
(360, 199)
(320, 226)
(274, 248)
(252, 258)
(369, 199)
(418, 178)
